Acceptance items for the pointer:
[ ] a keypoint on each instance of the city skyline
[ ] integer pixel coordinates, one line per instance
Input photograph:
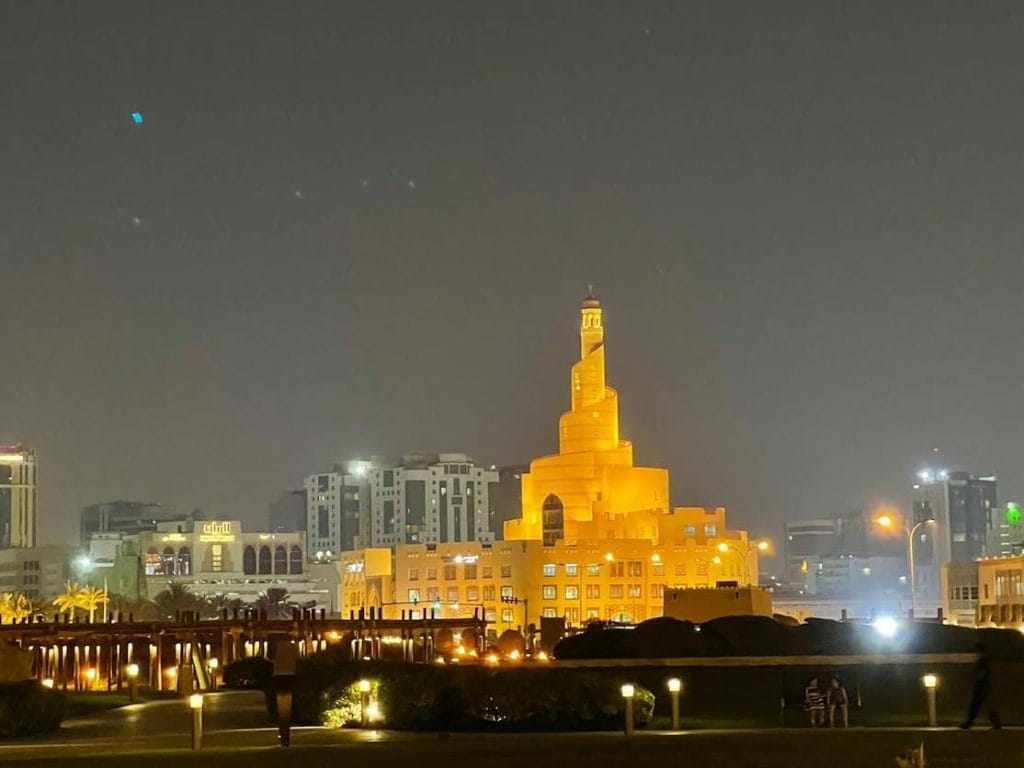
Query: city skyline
(332, 233)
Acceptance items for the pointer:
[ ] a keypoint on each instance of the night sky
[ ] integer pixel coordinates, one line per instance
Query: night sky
(346, 229)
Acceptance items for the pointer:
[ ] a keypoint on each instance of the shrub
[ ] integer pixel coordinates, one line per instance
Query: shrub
(250, 673)
(27, 709)
(431, 697)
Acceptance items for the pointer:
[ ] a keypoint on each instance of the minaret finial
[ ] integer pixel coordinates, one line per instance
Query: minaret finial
(590, 290)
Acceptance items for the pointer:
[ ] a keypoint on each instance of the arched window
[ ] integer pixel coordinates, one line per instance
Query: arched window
(296, 559)
(152, 562)
(552, 520)
(249, 561)
(184, 561)
(265, 559)
(167, 562)
(280, 560)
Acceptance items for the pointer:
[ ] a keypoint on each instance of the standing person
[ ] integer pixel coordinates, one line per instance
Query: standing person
(838, 699)
(982, 693)
(814, 703)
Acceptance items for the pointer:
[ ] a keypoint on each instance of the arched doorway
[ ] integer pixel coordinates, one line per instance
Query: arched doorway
(249, 560)
(552, 520)
(280, 560)
(265, 559)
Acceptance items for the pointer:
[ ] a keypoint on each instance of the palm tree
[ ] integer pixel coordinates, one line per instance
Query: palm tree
(177, 599)
(275, 603)
(69, 601)
(91, 598)
(14, 607)
(139, 610)
(217, 604)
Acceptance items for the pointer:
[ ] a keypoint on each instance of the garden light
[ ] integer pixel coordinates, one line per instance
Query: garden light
(47, 682)
(930, 681)
(364, 686)
(628, 690)
(675, 685)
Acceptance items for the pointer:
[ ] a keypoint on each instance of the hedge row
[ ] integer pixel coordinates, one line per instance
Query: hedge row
(434, 697)
(27, 709)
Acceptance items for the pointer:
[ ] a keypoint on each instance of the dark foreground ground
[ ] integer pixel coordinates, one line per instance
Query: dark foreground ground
(156, 734)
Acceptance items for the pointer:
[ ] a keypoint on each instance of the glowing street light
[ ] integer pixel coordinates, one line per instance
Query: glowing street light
(628, 691)
(889, 523)
(195, 703)
(675, 686)
(931, 682)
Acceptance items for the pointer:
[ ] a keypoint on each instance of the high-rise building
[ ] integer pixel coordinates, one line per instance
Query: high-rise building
(961, 505)
(18, 496)
(1006, 536)
(288, 511)
(506, 497)
(425, 498)
(129, 518)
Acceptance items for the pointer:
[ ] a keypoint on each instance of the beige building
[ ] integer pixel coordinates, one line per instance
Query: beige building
(992, 586)
(217, 557)
(699, 605)
(17, 497)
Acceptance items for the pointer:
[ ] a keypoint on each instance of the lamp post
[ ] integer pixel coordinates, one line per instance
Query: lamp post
(760, 546)
(931, 682)
(627, 691)
(214, 665)
(887, 522)
(195, 703)
(133, 682)
(364, 703)
(675, 685)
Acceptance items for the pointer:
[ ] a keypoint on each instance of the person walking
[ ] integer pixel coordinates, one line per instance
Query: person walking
(981, 695)
(814, 703)
(837, 698)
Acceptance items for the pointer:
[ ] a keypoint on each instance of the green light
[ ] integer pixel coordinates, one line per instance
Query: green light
(1012, 514)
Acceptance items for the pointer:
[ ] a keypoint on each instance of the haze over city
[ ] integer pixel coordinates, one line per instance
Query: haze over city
(343, 230)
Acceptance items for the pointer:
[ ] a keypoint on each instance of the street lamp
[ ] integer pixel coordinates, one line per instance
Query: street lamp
(888, 523)
(758, 546)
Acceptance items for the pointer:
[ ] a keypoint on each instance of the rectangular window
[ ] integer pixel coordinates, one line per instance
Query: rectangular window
(414, 574)
(453, 594)
(593, 591)
(593, 569)
(617, 570)
(506, 571)
(490, 616)
(506, 591)
(449, 573)
(470, 572)
(323, 522)
(615, 591)
(690, 530)
(550, 592)
(389, 478)
(593, 614)
(636, 568)
(414, 595)
(710, 529)
(572, 592)
(635, 590)
(974, 593)
(472, 594)
(571, 569)
(506, 615)
(489, 594)
(659, 569)
(217, 560)
(548, 613)
(549, 569)
(488, 571)
(433, 594)
(658, 591)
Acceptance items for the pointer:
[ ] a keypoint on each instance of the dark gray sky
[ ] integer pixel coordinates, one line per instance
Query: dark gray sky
(353, 228)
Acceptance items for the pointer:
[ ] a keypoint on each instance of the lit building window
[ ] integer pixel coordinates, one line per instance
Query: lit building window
(572, 592)
(571, 569)
(635, 590)
(449, 573)
(506, 615)
(414, 595)
(593, 591)
(550, 592)
(615, 590)
(472, 594)
(489, 594)
(453, 594)
(593, 569)
(690, 530)
(710, 529)
(506, 591)
(549, 613)
(549, 569)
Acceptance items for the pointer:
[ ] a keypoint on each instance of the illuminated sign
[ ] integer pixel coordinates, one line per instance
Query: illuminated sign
(355, 567)
(174, 537)
(217, 531)
(1012, 515)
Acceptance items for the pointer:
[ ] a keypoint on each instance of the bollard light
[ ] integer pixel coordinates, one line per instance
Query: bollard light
(930, 681)
(47, 682)
(364, 702)
(364, 686)
(195, 703)
(90, 674)
(133, 671)
(675, 685)
(214, 663)
(627, 690)
(542, 656)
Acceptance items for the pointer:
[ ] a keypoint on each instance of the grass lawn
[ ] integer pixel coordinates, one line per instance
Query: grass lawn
(852, 749)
